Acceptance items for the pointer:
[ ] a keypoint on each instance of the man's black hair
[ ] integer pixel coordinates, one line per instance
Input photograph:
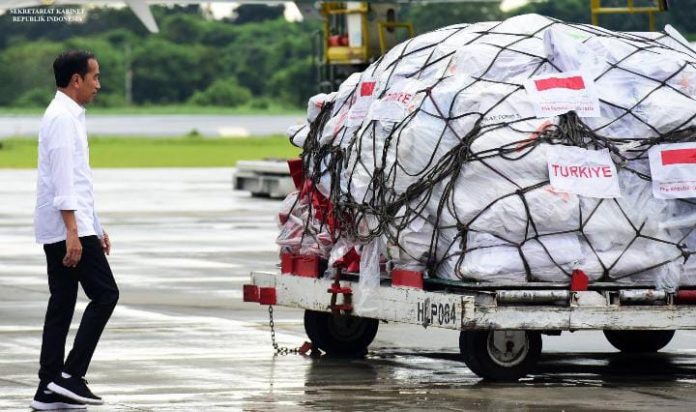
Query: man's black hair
(69, 63)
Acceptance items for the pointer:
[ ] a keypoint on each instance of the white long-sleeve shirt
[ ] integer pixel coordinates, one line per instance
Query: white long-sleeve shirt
(64, 176)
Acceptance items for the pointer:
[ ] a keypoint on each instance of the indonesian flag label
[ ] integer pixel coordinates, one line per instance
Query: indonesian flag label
(558, 93)
(362, 99)
(673, 169)
(589, 173)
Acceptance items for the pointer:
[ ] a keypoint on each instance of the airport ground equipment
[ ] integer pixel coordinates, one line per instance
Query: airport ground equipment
(263, 178)
(500, 324)
(355, 34)
(647, 7)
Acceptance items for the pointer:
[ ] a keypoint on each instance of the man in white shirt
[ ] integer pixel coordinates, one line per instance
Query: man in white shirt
(73, 240)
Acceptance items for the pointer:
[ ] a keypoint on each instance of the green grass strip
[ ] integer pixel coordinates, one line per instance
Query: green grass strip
(158, 152)
(166, 110)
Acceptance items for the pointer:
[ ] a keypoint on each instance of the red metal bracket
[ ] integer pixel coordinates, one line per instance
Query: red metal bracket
(251, 293)
(286, 263)
(685, 297)
(335, 290)
(407, 278)
(306, 347)
(267, 296)
(298, 265)
(578, 281)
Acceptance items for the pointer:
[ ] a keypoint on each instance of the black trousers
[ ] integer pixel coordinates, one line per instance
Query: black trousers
(94, 275)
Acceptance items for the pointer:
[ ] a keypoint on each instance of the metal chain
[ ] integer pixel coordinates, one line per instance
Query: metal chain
(279, 350)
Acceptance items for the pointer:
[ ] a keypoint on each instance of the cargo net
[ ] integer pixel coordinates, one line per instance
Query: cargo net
(434, 159)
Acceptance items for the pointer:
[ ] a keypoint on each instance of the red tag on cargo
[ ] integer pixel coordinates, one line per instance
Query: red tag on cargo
(673, 170)
(678, 157)
(558, 93)
(366, 88)
(572, 83)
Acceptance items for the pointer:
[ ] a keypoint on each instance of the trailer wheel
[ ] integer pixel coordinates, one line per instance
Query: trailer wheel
(500, 355)
(637, 341)
(340, 335)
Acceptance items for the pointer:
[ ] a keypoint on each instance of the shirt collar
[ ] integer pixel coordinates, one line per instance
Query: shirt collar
(74, 108)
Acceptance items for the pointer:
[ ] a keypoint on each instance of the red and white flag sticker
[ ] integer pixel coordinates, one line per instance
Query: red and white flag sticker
(362, 99)
(558, 93)
(584, 172)
(673, 169)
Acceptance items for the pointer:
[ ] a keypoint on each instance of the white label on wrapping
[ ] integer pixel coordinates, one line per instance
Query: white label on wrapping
(364, 95)
(584, 172)
(558, 93)
(673, 169)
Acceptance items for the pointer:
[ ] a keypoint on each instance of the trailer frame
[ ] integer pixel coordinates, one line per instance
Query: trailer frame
(500, 324)
(467, 308)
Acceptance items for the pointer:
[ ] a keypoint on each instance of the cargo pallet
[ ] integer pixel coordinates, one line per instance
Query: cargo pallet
(500, 324)
(263, 178)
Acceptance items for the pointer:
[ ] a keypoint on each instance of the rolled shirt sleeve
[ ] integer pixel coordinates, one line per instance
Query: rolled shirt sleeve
(61, 152)
(97, 226)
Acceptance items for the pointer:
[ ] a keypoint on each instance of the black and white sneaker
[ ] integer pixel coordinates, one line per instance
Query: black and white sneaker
(46, 400)
(75, 389)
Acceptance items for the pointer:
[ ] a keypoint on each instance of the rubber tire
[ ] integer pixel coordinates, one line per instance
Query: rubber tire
(328, 332)
(639, 341)
(473, 346)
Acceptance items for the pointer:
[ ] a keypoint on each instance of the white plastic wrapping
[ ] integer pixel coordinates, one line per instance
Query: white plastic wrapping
(452, 103)
(370, 257)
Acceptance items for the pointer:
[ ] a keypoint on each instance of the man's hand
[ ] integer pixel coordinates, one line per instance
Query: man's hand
(73, 247)
(106, 243)
(73, 250)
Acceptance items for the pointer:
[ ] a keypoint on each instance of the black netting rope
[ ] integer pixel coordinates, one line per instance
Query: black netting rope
(384, 211)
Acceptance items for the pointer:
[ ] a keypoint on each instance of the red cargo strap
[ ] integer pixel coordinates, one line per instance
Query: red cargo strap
(296, 172)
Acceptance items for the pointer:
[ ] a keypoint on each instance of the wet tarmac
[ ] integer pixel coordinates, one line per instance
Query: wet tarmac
(182, 340)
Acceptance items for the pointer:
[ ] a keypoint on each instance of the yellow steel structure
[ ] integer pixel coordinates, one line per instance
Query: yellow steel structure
(355, 34)
(373, 27)
(337, 54)
(384, 26)
(652, 7)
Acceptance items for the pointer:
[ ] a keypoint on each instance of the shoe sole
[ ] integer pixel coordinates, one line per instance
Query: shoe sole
(43, 406)
(70, 395)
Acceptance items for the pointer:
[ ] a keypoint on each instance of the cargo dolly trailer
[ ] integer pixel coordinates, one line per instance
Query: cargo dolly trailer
(500, 325)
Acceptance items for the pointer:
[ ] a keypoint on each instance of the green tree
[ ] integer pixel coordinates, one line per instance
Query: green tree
(37, 97)
(164, 72)
(295, 83)
(222, 92)
(27, 67)
(183, 28)
(428, 17)
(253, 13)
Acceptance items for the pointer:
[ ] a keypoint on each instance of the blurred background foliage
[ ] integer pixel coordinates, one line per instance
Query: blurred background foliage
(255, 58)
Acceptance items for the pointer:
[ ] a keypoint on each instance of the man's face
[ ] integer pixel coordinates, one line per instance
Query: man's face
(88, 86)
